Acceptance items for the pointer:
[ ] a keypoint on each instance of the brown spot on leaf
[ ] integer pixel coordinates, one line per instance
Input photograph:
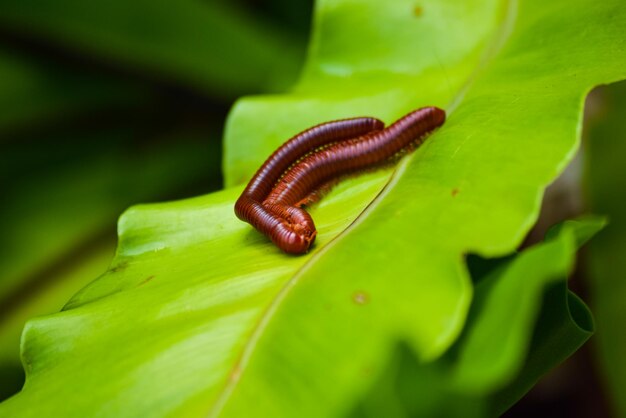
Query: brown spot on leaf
(235, 374)
(418, 11)
(455, 192)
(146, 280)
(121, 266)
(360, 298)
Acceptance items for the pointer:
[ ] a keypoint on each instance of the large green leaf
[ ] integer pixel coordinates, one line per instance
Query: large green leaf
(606, 184)
(208, 46)
(199, 315)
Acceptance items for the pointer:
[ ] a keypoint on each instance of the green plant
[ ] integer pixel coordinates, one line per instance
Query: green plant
(198, 315)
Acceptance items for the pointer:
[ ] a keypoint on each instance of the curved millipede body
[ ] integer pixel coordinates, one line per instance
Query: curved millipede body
(302, 165)
(300, 145)
(284, 230)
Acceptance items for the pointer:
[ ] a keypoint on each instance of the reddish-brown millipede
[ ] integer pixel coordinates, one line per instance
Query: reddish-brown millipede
(271, 201)
(288, 233)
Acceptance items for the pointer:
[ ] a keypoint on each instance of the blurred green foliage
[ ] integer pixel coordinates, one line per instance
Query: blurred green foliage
(211, 47)
(606, 260)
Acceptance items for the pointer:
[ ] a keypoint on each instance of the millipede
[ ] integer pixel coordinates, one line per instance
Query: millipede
(291, 177)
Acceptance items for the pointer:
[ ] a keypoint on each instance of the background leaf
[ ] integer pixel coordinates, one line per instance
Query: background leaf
(210, 46)
(606, 149)
(34, 91)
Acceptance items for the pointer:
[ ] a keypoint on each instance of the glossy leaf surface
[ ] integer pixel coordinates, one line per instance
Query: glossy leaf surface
(200, 316)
